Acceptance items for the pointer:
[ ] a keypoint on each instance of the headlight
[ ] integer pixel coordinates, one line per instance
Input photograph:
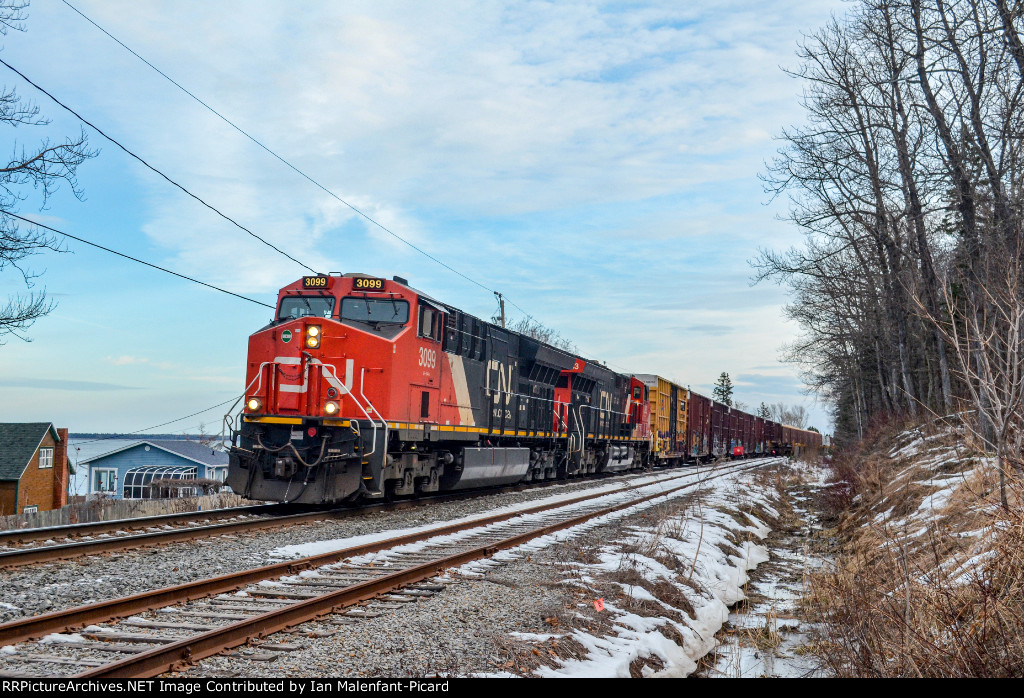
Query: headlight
(313, 336)
(331, 408)
(254, 404)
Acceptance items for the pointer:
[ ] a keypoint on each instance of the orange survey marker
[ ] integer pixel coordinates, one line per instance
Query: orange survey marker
(598, 604)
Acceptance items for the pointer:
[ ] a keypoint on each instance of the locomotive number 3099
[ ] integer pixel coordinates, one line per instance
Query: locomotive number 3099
(428, 357)
(363, 284)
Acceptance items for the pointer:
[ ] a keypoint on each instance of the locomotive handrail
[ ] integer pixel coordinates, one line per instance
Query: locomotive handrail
(579, 425)
(362, 378)
(226, 422)
(334, 374)
(583, 430)
(558, 413)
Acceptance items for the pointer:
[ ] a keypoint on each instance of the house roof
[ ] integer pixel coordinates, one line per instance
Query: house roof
(18, 443)
(189, 450)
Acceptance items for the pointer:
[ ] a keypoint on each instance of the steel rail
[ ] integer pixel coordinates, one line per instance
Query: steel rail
(27, 535)
(66, 551)
(23, 629)
(175, 655)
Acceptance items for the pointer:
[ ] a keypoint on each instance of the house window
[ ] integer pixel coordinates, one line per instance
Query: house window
(104, 480)
(46, 458)
(218, 474)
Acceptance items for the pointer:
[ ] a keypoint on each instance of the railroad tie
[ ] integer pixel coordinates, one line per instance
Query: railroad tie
(280, 593)
(213, 614)
(54, 659)
(140, 623)
(110, 647)
(282, 646)
(360, 613)
(109, 636)
(399, 598)
(231, 600)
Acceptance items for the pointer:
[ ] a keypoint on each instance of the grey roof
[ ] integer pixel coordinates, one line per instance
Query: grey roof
(191, 450)
(194, 450)
(18, 443)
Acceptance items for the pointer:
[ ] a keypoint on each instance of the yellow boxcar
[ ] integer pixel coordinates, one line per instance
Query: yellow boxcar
(669, 403)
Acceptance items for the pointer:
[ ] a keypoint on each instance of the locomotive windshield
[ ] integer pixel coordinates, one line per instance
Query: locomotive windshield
(293, 307)
(375, 311)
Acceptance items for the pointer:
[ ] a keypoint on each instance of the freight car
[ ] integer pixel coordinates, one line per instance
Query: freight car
(363, 387)
(669, 409)
(687, 427)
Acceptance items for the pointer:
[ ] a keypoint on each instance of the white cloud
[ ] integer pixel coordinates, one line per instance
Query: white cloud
(595, 159)
(127, 360)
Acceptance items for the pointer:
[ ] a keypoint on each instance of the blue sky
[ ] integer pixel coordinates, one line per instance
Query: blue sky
(596, 162)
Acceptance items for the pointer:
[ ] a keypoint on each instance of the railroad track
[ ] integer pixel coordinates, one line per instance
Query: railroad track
(112, 536)
(70, 532)
(204, 618)
(119, 539)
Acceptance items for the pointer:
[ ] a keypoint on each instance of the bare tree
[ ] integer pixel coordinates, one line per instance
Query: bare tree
(38, 171)
(907, 173)
(531, 328)
(988, 343)
(793, 415)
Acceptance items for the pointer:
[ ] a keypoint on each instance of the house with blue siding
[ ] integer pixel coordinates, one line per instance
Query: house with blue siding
(154, 469)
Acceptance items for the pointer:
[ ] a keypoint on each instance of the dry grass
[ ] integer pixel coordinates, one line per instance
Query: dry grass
(902, 599)
(662, 589)
(636, 667)
(766, 637)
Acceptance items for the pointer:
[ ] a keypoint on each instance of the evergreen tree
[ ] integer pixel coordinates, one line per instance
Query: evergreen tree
(723, 389)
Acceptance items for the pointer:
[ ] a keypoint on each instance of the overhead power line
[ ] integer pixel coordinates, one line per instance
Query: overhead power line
(135, 259)
(100, 131)
(294, 168)
(280, 158)
(157, 426)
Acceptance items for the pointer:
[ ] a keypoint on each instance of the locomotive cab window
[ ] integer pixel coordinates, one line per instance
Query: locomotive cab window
(430, 323)
(375, 311)
(294, 307)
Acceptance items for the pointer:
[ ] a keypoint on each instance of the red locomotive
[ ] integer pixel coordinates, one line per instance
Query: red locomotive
(365, 387)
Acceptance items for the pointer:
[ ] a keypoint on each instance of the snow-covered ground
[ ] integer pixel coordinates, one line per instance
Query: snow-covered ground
(640, 592)
(768, 637)
(664, 589)
(939, 490)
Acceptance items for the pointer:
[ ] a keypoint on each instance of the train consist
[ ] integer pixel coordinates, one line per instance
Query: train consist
(688, 427)
(366, 388)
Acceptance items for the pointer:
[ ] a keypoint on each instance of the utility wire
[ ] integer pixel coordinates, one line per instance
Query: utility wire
(292, 167)
(279, 157)
(153, 169)
(135, 259)
(157, 426)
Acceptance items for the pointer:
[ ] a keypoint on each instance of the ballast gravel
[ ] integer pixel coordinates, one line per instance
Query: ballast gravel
(459, 631)
(32, 590)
